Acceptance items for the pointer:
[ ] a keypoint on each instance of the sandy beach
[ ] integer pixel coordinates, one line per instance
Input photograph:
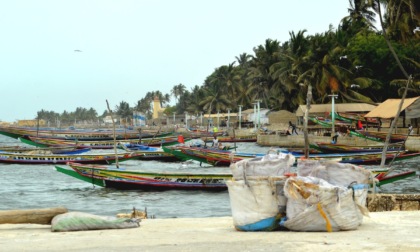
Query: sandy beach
(383, 231)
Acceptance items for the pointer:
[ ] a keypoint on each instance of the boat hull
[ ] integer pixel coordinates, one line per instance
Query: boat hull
(134, 180)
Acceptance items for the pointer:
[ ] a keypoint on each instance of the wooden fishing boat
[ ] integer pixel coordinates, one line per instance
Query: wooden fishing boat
(236, 139)
(99, 158)
(379, 136)
(328, 123)
(359, 158)
(212, 156)
(375, 159)
(103, 144)
(353, 117)
(106, 176)
(79, 135)
(344, 148)
(156, 155)
(47, 150)
(390, 178)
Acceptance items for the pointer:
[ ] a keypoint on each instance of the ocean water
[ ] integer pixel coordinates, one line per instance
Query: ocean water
(40, 186)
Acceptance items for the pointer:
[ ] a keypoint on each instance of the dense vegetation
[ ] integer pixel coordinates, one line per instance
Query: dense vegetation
(353, 61)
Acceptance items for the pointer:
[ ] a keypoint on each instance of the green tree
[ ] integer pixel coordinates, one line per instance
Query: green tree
(178, 90)
(124, 111)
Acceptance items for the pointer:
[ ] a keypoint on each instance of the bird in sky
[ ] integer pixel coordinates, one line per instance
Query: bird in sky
(77, 50)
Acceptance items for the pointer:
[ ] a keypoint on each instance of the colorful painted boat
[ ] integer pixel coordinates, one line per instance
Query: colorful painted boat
(133, 180)
(390, 178)
(360, 158)
(100, 158)
(69, 150)
(104, 144)
(212, 156)
(375, 159)
(106, 176)
(379, 136)
(80, 135)
(344, 148)
(231, 139)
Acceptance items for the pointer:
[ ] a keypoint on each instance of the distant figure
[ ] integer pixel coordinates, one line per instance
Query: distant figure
(220, 146)
(348, 131)
(291, 125)
(215, 142)
(379, 124)
(334, 138)
(359, 125)
(410, 129)
(215, 129)
(181, 139)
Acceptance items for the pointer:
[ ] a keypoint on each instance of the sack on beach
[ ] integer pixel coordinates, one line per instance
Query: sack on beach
(269, 165)
(256, 203)
(78, 221)
(338, 174)
(313, 204)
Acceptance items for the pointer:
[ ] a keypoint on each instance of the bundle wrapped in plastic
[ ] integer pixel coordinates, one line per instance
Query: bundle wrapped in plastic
(78, 221)
(256, 202)
(313, 204)
(269, 165)
(338, 174)
(256, 191)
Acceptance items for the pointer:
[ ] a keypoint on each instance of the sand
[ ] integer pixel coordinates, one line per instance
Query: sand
(383, 231)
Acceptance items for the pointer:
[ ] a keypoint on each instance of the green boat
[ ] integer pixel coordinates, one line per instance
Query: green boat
(106, 176)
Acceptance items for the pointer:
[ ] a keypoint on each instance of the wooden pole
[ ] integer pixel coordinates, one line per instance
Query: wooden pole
(305, 121)
(154, 136)
(394, 122)
(32, 216)
(115, 140)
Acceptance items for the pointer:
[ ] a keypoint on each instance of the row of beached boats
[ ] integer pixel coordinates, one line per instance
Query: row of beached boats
(85, 166)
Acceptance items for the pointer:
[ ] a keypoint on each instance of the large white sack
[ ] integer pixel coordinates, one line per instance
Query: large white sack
(315, 205)
(338, 174)
(255, 199)
(269, 165)
(335, 173)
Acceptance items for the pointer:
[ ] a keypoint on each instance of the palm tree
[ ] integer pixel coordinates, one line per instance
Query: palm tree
(360, 17)
(287, 71)
(124, 110)
(196, 97)
(144, 105)
(178, 90)
(214, 99)
(243, 60)
(259, 75)
(227, 78)
(401, 18)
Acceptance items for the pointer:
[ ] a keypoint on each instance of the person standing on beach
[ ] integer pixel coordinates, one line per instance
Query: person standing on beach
(334, 138)
(359, 125)
(291, 125)
(410, 129)
(215, 142)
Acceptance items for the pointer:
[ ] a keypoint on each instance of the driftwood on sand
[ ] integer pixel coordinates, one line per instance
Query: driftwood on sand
(32, 216)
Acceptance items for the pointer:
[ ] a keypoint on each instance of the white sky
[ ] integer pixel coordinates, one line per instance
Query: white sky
(131, 47)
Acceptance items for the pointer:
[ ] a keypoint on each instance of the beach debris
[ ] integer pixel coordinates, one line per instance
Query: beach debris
(134, 214)
(78, 221)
